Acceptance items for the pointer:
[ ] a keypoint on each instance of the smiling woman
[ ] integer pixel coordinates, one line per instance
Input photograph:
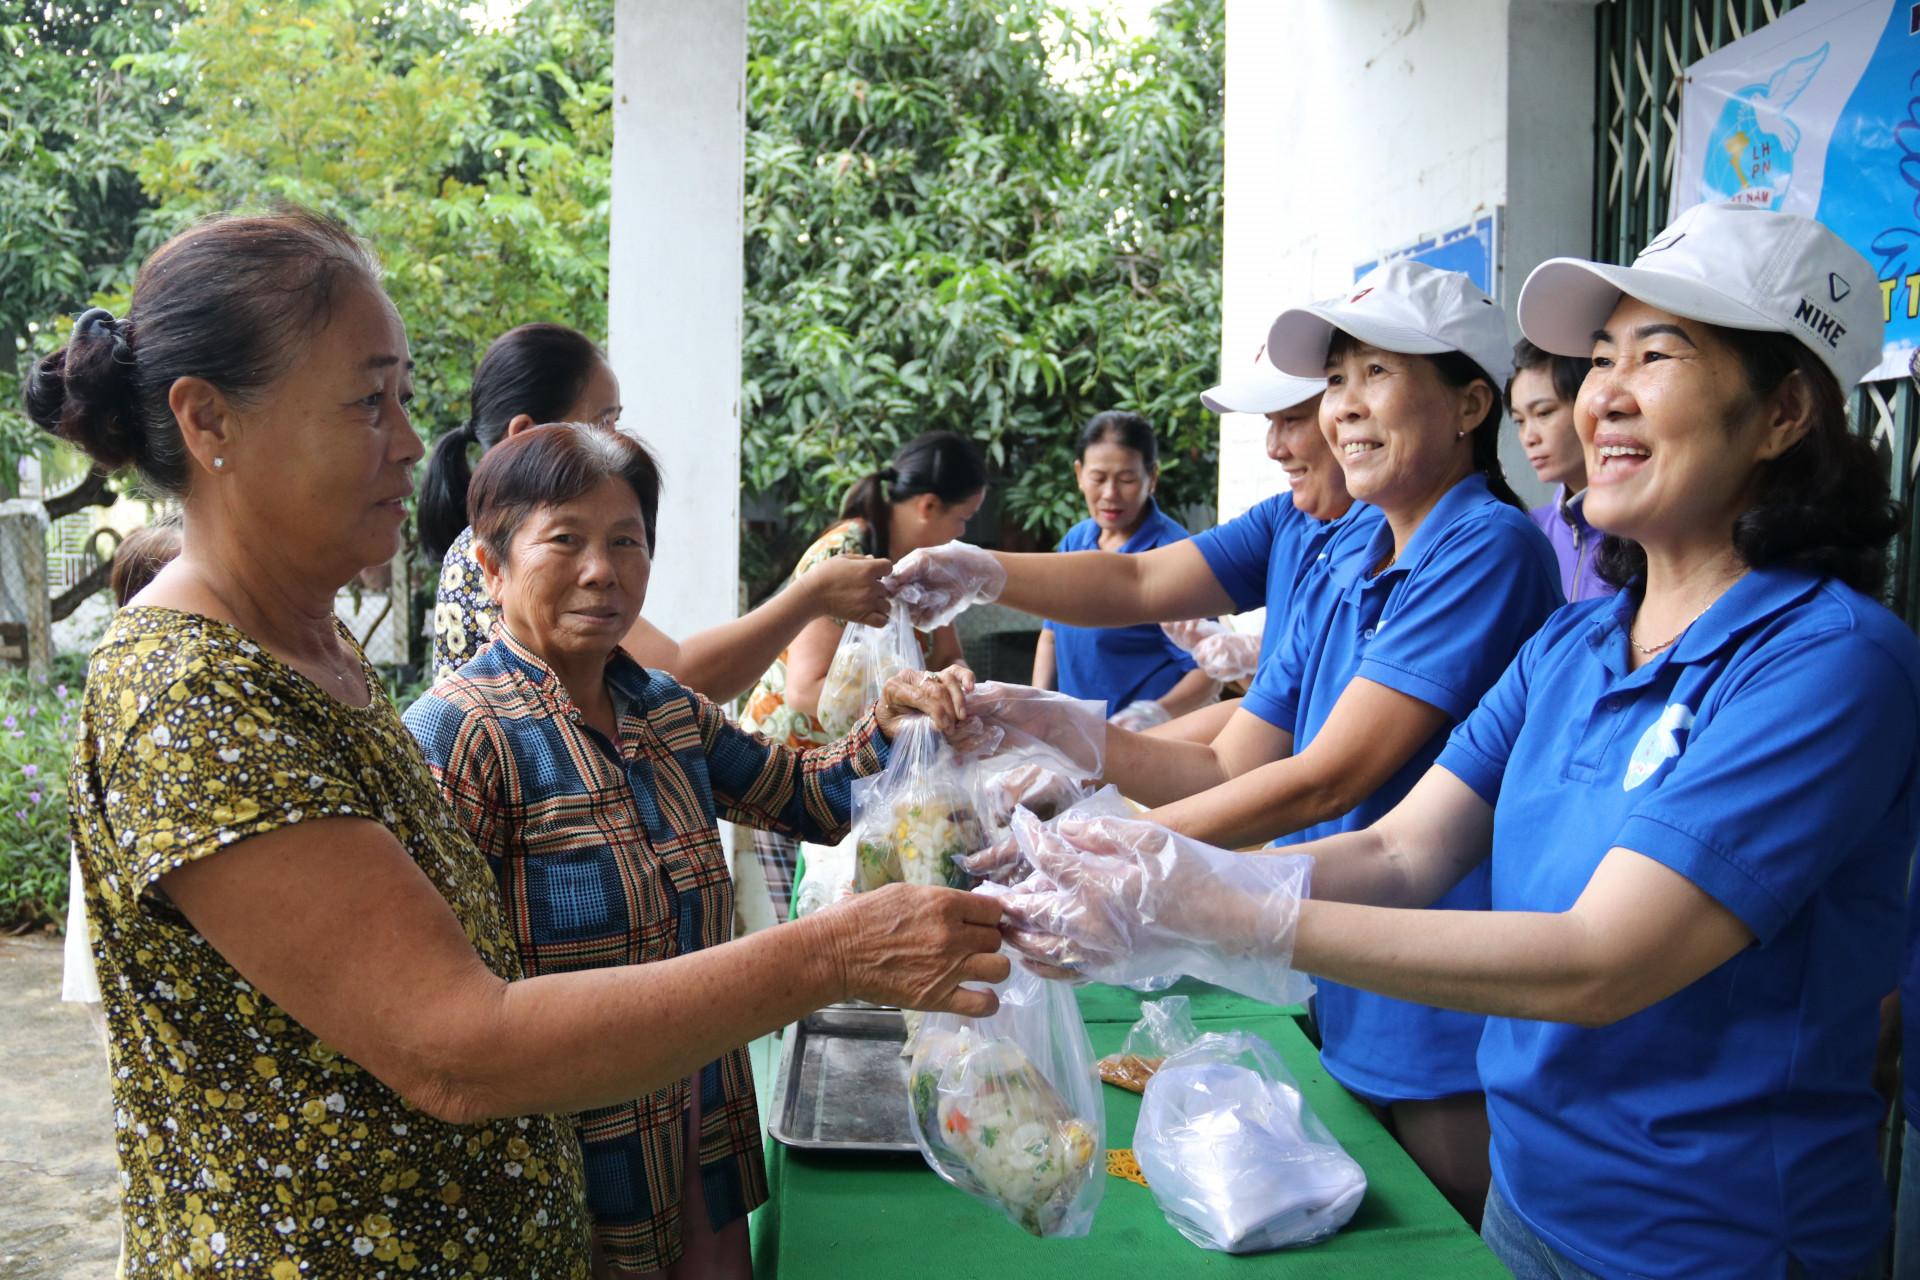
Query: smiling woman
(311, 987)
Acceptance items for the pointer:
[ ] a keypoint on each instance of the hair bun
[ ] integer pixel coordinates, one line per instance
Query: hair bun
(85, 392)
(888, 474)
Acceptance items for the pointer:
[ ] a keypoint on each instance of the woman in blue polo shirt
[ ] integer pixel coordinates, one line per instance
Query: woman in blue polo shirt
(1698, 798)
(1391, 641)
(1250, 562)
(1117, 465)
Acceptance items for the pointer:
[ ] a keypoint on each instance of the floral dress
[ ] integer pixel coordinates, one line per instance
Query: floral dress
(248, 1146)
(463, 612)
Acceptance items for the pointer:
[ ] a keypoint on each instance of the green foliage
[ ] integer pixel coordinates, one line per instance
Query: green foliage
(37, 718)
(944, 231)
(71, 210)
(475, 162)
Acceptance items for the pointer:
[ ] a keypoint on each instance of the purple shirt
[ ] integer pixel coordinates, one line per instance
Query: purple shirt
(1576, 544)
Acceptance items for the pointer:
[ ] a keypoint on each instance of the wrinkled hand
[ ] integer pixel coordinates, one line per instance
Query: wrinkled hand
(938, 584)
(912, 946)
(849, 588)
(1192, 631)
(941, 696)
(1228, 656)
(1138, 717)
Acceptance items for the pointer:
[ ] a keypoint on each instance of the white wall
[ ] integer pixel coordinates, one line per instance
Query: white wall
(674, 293)
(1356, 126)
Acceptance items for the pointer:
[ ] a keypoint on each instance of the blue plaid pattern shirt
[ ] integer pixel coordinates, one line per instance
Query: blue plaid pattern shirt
(608, 853)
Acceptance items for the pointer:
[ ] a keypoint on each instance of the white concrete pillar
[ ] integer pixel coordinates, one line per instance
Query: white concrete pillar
(674, 289)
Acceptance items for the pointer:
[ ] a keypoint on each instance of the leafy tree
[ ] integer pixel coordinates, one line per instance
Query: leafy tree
(990, 217)
(72, 119)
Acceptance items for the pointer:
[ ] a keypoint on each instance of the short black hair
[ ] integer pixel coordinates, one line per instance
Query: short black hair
(1117, 426)
(550, 466)
(1567, 372)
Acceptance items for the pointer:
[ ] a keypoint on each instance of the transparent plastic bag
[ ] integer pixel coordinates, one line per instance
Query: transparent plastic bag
(1012, 725)
(1008, 1108)
(867, 657)
(916, 817)
(826, 878)
(1165, 1028)
(1117, 899)
(1233, 1154)
(938, 584)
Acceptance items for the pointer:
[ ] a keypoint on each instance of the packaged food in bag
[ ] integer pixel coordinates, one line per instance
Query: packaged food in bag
(1008, 1109)
(867, 657)
(1164, 1029)
(1117, 899)
(915, 818)
(1234, 1155)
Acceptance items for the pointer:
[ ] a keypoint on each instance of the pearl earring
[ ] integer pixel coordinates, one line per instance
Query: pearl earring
(219, 463)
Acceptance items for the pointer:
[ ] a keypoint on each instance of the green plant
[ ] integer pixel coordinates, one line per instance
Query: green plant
(37, 727)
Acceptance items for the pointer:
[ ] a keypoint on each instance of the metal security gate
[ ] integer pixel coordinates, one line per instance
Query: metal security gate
(1644, 48)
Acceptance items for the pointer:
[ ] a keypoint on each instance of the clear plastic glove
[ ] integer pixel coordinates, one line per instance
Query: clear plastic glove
(1138, 717)
(1067, 735)
(1228, 656)
(1192, 631)
(1039, 790)
(938, 584)
(1120, 899)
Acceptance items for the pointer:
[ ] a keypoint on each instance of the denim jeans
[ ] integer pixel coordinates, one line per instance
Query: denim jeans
(1519, 1249)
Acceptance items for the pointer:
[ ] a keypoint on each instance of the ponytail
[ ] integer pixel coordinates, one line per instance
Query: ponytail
(442, 511)
(535, 369)
(941, 463)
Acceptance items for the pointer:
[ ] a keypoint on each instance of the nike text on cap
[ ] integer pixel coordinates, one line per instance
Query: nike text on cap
(1403, 306)
(1261, 389)
(1732, 265)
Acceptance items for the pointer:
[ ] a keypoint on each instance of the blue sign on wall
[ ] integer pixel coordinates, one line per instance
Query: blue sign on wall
(1473, 249)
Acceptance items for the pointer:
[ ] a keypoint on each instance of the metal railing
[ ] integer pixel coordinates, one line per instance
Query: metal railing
(1644, 48)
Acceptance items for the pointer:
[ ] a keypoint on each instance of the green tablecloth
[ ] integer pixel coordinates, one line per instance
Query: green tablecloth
(1100, 1003)
(890, 1216)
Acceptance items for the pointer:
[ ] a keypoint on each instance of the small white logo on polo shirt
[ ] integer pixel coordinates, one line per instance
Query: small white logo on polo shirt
(1659, 744)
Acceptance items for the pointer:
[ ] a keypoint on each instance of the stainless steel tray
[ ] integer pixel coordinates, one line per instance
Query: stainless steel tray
(842, 1083)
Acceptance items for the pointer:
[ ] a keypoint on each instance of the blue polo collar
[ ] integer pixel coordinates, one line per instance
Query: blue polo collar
(1466, 497)
(1143, 537)
(1758, 598)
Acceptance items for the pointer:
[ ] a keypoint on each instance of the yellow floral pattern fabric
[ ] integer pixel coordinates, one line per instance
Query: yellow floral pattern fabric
(766, 712)
(463, 612)
(247, 1146)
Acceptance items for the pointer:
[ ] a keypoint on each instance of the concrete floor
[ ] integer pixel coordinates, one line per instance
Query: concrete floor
(59, 1194)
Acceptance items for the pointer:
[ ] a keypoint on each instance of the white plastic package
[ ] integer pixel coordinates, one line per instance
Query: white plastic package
(916, 817)
(938, 584)
(866, 658)
(1233, 1154)
(1008, 1108)
(1118, 899)
(827, 877)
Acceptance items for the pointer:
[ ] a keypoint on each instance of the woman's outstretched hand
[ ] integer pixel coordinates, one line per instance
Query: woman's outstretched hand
(941, 696)
(938, 584)
(849, 588)
(912, 946)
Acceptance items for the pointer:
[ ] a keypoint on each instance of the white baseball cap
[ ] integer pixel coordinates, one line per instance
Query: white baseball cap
(1403, 306)
(1261, 389)
(1733, 265)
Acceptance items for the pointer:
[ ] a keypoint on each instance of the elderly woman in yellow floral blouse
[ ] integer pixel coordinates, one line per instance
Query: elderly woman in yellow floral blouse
(327, 1058)
(595, 786)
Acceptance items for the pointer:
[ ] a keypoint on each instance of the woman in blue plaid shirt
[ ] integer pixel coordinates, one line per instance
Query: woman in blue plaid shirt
(594, 787)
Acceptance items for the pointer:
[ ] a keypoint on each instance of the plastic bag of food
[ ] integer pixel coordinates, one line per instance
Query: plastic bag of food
(1233, 1154)
(938, 584)
(1117, 899)
(826, 877)
(916, 817)
(1008, 1109)
(867, 657)
(1164, 1029)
